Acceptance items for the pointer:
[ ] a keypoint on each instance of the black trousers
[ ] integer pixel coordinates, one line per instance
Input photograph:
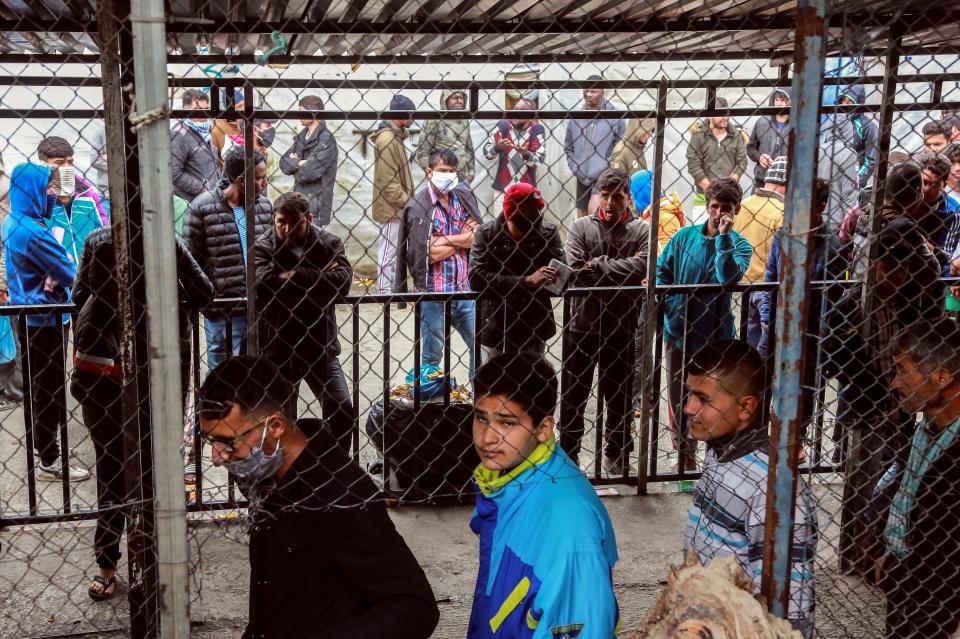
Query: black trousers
(45, 349)
(613, 355)
(99, 397)
(679, 429)
(324, 376)
(916, 615)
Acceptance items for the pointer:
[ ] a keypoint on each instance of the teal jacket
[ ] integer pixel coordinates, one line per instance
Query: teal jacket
(86, 215)
(690, 257)
(547, 552)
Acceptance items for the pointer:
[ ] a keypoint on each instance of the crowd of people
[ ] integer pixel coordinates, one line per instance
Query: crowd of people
(438, 238)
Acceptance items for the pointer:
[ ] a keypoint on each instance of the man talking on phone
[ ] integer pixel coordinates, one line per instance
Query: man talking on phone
(510, 267)
(301, 270)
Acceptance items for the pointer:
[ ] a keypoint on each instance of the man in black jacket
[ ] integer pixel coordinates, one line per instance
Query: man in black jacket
(194, 161)
(509, 266)
(312, 161)
(96, 382)
(608, 248)
(301, 270)
(215, 232)
(920, 573)
(325, 559)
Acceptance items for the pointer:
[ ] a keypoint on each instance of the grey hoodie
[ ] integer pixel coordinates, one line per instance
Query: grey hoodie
(589, 144)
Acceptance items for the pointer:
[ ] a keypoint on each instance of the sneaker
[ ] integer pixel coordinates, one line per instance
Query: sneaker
(54, 472)
(613, 466)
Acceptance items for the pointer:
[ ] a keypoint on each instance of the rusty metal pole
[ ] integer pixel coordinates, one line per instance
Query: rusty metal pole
(787, 414)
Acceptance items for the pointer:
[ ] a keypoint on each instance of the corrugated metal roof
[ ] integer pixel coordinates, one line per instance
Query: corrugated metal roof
(454, 27)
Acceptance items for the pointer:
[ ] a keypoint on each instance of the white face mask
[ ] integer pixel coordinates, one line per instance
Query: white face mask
(444, 182)
(68, 181)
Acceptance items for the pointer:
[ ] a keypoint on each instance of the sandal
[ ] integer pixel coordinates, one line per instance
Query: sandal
(106, 582)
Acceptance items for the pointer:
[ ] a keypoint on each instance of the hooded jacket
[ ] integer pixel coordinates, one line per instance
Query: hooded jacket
(768, 138)
(86, 214)
(194, 163)
(760, 217)
(211, 234)
(416, 233)
(392, 180)
(454, 135)
(691, 257)
(511, 311)
(707, 158)
(39, 270)
(671, 218)
(838, 164)
(589, 143)
(863, 134)
(299, 314)
(547, 551)
(317, 176)
(618, 257)
(629, 154)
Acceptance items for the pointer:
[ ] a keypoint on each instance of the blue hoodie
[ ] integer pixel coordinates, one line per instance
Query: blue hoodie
(31, 251)
(547, 551)
(641, 190)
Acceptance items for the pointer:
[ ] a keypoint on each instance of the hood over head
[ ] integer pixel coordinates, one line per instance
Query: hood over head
(779, 91)
(637, 127)
(641, 189)
(28, 189)
(446, 93)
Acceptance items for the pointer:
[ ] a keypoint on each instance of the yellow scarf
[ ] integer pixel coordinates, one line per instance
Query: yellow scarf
(490, 481)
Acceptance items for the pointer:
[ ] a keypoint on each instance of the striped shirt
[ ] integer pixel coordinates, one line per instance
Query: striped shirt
(728, 514)
(449, 275)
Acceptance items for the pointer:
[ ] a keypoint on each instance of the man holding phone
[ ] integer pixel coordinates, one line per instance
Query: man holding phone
(510, 267)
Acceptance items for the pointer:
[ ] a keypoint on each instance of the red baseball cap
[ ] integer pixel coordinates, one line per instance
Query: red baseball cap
(521, 194)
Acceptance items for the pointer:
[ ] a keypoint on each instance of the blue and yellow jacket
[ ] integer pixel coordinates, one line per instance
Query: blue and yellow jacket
(547, 551)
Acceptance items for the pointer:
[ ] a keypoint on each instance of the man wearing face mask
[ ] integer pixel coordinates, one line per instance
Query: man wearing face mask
(194, 163)
(40, 271)
(301, 271)
(325, 559)
(509, 266)
(77, 209)
(436, 233)
(312, 161)
(608, 248)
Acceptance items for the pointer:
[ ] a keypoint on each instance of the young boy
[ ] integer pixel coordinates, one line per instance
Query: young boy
(726, 383)
(708, 253)
(547, 547)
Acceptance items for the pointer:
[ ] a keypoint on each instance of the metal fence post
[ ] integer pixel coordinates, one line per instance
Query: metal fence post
(809, 57)
(150, 53)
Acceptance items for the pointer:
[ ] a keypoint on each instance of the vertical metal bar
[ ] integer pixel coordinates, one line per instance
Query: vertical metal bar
(249, 210)
(650, 432)
(417, 336)
(447, 328)
(785, 424)
(355, 377)
(64, 440)
(655, 387)
(28, 440)
(197, 442)
(385, 394)
(477, 347)
(163, 322)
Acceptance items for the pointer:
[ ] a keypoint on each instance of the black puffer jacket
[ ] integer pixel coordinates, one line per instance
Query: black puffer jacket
(193, 163)
(96, 331)
(512, 311)
(297, 315)
(211, 234)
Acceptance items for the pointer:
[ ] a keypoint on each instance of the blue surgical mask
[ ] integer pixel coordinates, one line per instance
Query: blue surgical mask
(257, 465)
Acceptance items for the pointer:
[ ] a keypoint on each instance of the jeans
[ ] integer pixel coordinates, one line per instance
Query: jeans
(612, 355)
(462, 319)
(45, 351)
(755, 332)
(216, 331)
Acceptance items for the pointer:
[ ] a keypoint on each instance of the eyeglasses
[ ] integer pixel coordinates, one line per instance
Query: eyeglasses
(228, 443)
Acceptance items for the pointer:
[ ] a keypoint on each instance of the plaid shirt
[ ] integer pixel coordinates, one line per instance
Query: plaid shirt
(449, 275)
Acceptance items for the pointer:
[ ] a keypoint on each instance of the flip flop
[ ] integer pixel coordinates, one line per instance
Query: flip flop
(106, 582)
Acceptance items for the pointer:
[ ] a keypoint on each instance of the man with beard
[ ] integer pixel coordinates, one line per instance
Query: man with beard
(312, 161)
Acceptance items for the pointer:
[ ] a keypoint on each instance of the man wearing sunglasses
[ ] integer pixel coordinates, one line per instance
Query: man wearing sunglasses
(325, 558)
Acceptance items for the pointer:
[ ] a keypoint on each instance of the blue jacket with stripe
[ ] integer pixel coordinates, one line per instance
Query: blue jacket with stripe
(547, 551)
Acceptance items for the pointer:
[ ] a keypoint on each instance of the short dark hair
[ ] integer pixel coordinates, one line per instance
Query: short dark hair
(952, 152)
(292, 202)
(525, 378)
(935, 128)
(724, 189)
(613, 180)
(190, 96)
(903, 183)
(933, 343)
(936, 163)
(233, 162)
(737, 365)
(253, 383)
(311, 103)
(53, 147)
(821, 191)
(446, 156)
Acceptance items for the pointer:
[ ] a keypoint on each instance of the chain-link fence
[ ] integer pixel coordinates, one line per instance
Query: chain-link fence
(766, 190)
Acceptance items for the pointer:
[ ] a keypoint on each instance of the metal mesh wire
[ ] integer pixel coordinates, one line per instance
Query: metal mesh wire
(548, 93)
